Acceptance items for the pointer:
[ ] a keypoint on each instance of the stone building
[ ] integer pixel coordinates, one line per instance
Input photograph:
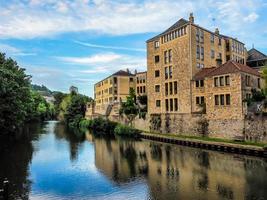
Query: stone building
(221, 90)
(175, 56)
(113, 89)
(256, 59)
(140, 88)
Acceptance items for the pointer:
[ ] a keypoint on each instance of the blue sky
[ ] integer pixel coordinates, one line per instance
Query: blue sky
(78, 42)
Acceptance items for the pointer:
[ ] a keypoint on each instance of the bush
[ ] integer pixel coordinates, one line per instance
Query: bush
(123, 130)
(102, 126)
(85, 124)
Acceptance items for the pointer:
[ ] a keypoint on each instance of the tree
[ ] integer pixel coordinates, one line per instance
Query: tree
(129, 108)
(75, 109)
(15, 95)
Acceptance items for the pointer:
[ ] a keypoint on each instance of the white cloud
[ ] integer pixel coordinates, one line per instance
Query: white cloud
(94, 59)
(251, 17)
(109, 47)
(13, 51)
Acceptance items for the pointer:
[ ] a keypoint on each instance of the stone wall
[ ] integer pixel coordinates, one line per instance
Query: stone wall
(253, 128)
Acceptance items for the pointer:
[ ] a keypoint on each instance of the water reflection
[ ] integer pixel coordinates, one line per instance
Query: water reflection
(50, 162)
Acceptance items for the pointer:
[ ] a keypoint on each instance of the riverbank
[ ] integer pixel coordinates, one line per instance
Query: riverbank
(247, 148)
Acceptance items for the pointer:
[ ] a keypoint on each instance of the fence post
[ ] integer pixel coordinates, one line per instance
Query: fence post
(6, 188)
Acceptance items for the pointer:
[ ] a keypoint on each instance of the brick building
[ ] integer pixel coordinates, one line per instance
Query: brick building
(175, 56)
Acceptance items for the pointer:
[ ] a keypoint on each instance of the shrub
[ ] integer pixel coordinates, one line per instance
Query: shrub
(123, 130)
(85, 124)
(102, 126)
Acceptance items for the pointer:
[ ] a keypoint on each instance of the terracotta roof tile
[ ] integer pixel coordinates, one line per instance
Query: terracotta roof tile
(227, 68)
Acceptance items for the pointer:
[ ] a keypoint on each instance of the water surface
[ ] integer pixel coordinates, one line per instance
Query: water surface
(50, 162)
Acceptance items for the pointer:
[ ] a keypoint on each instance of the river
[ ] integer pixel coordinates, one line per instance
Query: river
(50, 162)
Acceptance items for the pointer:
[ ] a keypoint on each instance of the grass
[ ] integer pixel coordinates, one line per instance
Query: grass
(209, 139)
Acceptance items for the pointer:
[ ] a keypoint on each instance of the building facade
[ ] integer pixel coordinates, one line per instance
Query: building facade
(140, 81)
(175, 56)
(112, 89)
(256, 59)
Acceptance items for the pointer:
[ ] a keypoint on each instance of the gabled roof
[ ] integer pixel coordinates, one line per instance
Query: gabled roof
(255, 55)
(229, 67)
(203, 73)
(122, 73)
(181, 22)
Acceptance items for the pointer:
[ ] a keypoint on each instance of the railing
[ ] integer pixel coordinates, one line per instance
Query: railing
(4, 193)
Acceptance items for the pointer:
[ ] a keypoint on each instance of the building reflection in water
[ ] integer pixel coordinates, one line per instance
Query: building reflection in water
(173, 171)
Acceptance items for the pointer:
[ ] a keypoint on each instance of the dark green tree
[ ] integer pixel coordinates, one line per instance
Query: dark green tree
(15, 95)
(129, 108)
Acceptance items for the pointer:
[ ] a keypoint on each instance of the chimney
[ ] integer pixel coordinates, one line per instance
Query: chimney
(191, 18)
(217, 31)
(135, 71)
(128, 70)
(218, 62)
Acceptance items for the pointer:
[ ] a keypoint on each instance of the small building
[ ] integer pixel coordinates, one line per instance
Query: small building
(256, 59)
(223, 89)
(113, 89)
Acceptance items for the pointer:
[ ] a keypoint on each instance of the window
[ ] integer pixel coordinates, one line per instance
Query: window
(167, 105)
(166, 89)
(171, 104)
(141, 89)
(259, 83)
(156, 44)
(220, 42)
(144, 89)
(157, 73)
(216, 82)
(157, 88)
(198, 52)
(165, 57)
(212, 54)
(137, 79)
(175, 86)
(157, 59)
(202, 53)
(227, 80)
(200, 100)
(216, 100)
(228, 99)
(137, 89)
(166, 72)
(170, 71)
(220, 55)
(115, 80)
(157, 103)
(247, 80)
(175, 104)
(221, 81)
(222, 99)
(170, 88)
(170, 56)
(211, 38)
(200, 83)
(131, 79)
(201, 36)
(197, 35)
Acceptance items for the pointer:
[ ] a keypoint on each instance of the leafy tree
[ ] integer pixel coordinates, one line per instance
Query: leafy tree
(58, 96)
(15, 95)
(75, 110)
(129, 108)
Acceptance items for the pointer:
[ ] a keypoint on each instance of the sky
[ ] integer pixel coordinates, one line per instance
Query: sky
(79, 42)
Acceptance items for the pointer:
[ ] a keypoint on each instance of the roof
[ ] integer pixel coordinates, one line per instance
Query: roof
(229, 67)
(122, 73)
(118, 73)
(181, 22)
(255, 55)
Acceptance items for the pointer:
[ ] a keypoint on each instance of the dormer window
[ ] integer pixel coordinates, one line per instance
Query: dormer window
(156, 44)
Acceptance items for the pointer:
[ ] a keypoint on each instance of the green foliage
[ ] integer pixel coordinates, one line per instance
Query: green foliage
(142, 99)
(85, 124)
(257, 95)
(15, 95)
(129, 108)
(101, 126)
(43, 90)
(123, 130)
(74, 109)
(58, 96)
